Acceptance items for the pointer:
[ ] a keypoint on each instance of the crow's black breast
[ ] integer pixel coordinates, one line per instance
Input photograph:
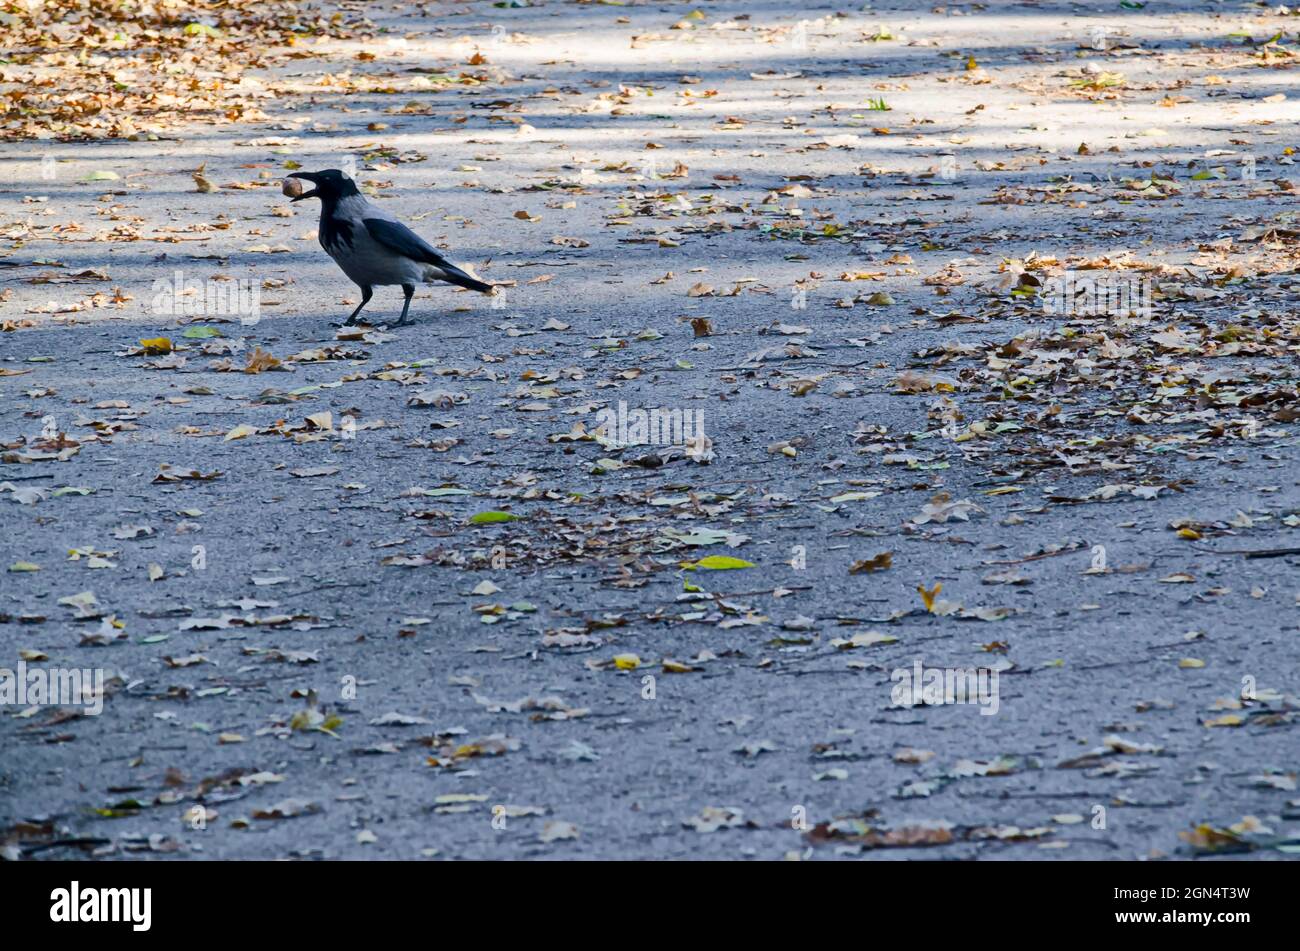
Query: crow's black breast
(334, 233)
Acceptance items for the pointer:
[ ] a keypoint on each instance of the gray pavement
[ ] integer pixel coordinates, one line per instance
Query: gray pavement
(312, 649)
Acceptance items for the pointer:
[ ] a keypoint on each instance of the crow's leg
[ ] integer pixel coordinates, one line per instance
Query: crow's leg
(366, 294)
(409, 291)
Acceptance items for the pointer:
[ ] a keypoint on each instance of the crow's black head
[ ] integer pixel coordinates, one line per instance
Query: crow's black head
(331, 185)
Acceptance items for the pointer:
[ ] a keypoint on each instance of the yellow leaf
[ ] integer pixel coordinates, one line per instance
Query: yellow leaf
(260, 361)
(331, 724)
(1191, 663)
(627, 661)
(1228, 719)
(881, 562)
(1206, 838)
(240, 431)
(928, 596)
(156, 346)
(719, 563)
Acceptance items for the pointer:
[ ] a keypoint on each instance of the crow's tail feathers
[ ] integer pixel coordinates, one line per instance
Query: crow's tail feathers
(453, 275)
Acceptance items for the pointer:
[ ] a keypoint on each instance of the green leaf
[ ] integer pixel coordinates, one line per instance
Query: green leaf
(201, 333)
(486, 518)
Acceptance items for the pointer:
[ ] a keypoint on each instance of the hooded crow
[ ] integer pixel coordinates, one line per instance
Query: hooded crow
(372, 246)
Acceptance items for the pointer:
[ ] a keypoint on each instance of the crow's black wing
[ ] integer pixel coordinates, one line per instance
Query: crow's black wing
(402, 240)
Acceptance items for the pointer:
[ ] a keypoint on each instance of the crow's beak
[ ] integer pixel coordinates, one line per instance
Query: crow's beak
(308, 177)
